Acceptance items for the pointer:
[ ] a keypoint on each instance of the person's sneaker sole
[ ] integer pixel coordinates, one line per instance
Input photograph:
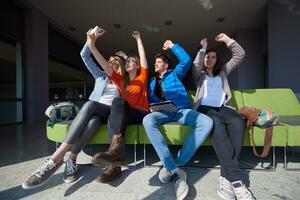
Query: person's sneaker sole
(184, 194)
(70, 180)
(222, 196)
(26, 187)
(162, 180)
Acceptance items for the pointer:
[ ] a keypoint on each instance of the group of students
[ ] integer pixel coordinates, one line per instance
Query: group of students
(121, 97)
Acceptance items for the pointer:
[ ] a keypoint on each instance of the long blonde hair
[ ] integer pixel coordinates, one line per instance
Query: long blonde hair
(121, 64)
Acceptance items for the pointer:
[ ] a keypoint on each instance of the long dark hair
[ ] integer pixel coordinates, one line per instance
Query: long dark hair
(219, 64)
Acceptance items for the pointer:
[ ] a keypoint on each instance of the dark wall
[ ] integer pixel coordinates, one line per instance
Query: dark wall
(251, 72)
(63, 49)
(36, 65)
(11, 19)
(284, 42)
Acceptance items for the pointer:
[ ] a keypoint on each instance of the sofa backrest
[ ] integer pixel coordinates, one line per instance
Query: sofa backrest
(281, 101)
(236, 99)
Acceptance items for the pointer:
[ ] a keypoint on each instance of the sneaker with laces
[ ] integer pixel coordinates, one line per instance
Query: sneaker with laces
(241, 191)
(225, 190)
(71, 171)
(164, 175)
(181, 187)
(42, 174)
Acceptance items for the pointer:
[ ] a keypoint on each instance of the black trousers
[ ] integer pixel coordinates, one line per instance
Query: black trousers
(88, 120)
(123, 115)
(227, 139)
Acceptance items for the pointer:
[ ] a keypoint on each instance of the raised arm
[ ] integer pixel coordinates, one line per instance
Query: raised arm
(136, 35)
(122, 54)
(91, 40)
(185, 60)
(199, 60)
(89, 63)
(238, 53)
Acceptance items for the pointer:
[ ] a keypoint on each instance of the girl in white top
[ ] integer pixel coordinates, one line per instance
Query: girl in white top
(92, 114)
(213, 95)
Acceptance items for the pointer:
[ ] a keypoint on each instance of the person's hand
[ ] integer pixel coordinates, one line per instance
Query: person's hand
(136, 35)
(168, 45)
(92, 37)
(203, 43)
(121, 54)
(222, 37)
(99, 32)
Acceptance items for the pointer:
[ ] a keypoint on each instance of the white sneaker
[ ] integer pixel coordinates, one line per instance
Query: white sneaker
(181, 187)
(241, 191)
(164, 175)
(225, 190)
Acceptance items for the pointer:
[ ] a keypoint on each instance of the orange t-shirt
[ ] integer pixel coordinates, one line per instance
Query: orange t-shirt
(137, 89)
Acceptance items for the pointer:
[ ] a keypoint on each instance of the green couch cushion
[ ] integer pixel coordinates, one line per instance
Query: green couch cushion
(175, 134)
(237, 99)
(279, 136)
(58, 132)
(281, 101)
(293, 136)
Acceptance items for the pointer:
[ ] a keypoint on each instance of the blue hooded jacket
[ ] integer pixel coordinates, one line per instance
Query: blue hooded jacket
(171, 81)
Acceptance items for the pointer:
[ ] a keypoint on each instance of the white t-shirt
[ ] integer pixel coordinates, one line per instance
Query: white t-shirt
(214, 94)
(109, 93)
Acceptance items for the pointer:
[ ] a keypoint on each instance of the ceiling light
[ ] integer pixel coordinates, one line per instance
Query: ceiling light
(72, 28)
(220, 19)
(168, 23)
(117, 25)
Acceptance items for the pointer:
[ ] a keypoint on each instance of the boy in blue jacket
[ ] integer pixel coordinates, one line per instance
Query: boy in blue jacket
(167, 86)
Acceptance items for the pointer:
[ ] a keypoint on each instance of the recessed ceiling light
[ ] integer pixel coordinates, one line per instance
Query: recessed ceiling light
(117, 26)
(72, 28)
(168, 23)
(220, 19)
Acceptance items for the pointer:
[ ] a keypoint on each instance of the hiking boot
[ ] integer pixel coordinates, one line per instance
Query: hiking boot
(114, 154)
(225, 190)
(110, 173)
(181, 187)
(164, 175)
(241, 191)
(42, 174)
(71, 171)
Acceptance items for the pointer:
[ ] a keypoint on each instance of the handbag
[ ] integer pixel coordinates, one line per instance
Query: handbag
(261, 118)
(62, 111)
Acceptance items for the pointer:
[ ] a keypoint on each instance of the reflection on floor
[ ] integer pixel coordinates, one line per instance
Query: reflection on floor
(24, 147)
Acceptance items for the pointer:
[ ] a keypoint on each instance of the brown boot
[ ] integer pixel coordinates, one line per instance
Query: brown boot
(114, 154)
(109, 174)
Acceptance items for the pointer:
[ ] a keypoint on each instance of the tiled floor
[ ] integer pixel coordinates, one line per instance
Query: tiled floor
(24, 148)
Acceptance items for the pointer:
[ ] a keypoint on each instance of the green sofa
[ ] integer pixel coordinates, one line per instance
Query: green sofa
(281, 101)
(58, 132)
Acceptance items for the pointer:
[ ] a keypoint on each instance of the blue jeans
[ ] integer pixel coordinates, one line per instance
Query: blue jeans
(201, 127)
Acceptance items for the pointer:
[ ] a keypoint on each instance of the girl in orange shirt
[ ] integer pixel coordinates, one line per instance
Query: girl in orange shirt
(125, 110)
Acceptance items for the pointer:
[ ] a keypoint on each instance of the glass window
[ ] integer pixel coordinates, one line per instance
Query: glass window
(65, 82)
(11, 83)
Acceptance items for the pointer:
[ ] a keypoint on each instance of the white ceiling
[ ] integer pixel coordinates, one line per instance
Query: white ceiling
(192, 20)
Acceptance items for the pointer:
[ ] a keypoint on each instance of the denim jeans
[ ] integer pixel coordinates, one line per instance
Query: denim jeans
(201, 126)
